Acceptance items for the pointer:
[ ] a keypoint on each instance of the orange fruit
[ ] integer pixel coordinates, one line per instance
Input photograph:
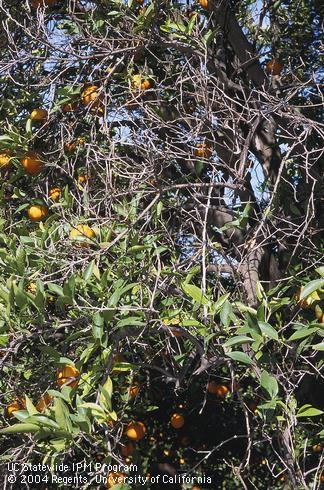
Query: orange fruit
(203, 150)
(177, 420)
(91, 97)
(69, 147)
(317, 448)
(5, 159)
(140, 83)
(140, 2)
(32, 163)
(135, 431)
(127, 449)
(83, 179)
(66, 375)
(15, 405)
(204, 4)
(134, 390)
(70, 107)
(54, 193)
(114, 478)
(82, 231)
(39, 115)
(43, 402)
(195, 487)
(217, 389)
(274, 67)
(37, 212)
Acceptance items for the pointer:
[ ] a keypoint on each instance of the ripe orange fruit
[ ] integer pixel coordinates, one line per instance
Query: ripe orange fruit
(204, 4)
(127, 449)
(37, 212)
(203, 150)
(15, 405)
(5, 159)
(70, 107)
(134, 390)
(43, 402)
(69, 147)
(140, 83)
(140, 2)
(32, 163)
(54, 193)
(195, 487)
(91, 97)
(115, 477)
(82, 231)
(317, 448)
(66, 375)
(274, 67)
(177, 420)
(135, 431)
(39, 115)
(83, 179)
(217, 389)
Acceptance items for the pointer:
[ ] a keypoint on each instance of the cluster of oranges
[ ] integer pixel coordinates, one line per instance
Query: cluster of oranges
(33, 164)
(67, 375)
(20, 404)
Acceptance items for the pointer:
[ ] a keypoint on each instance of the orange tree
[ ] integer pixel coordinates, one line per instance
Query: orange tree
(161, 290)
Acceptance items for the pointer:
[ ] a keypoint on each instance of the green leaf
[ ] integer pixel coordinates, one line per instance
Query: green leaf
(55, 288)
(20, 260)
(237, 340)
(88, 271)
(31, 409)
(320, 270)
(98, 325)
(195, 293)
(319, 346)
(219, 303)
(308, 411)
(260, 291)
(62, 415)
(20, 428)
(106, 394)
(311, 287)
(268, 331)
(302, 333)
(240, 357)
(131, 320)
(269, 384)
(226, 314)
